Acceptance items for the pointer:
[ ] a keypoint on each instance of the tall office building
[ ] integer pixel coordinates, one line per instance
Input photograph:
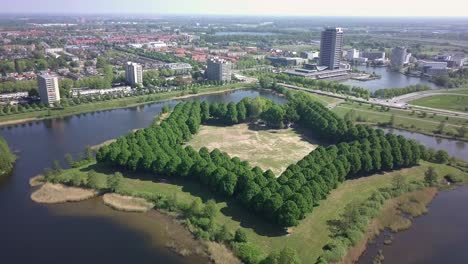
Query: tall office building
(218, 70)
(331, 48)
(399, 58)
(133, 73)
(48, 89)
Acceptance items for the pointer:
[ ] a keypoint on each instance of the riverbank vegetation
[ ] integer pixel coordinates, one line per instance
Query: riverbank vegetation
(393, 92)
(270, 80)
(18, 115)
(7, 158)
(412, 120)
(446, 102)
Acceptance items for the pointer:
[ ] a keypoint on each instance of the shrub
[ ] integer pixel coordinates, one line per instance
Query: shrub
(248, 252)
(453, 178)
(240, 236)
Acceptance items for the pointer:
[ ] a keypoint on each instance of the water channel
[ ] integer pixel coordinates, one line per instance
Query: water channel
(390, 79)
(88, 231)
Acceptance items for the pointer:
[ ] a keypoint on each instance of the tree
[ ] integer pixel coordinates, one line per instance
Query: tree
(223, 234)
(241, 111)
(398, 182)
(210, 209)
(240, 236)
(441, 156)
(7, 158)
(462, 131)
(69, 159)
(440, 127)
(114, 181)
(95, 182)
(274, 116)
(56, 167)
(195, 208)
(431, 177)
(231, 114)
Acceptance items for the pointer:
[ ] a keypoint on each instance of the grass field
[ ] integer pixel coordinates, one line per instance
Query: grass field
(447, 102)
(106, 105)
(403, 119)
(308, 238)
(268, 149)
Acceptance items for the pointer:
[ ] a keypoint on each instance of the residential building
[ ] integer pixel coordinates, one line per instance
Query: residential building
(48, 89)
(287, 61)
(218, 70)
(399, 58)
(134, 74)
(373, 55)
(331, 48)
(352, 54)
(310, 55)
(179, 68)
(433, 68)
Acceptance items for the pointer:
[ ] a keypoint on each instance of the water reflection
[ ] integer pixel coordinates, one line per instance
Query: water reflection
(33, 233)
(454, 148)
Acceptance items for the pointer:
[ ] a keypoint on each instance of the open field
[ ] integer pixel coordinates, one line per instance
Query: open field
(312, 233)
(403, 119)
(447, 102)
(111, 104)
(268, 149)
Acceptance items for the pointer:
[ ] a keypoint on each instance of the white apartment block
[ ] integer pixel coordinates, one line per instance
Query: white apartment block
(48, 89)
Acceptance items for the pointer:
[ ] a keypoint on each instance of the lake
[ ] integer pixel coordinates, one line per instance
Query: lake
(390, 79)
(85, 231)
(89, 231)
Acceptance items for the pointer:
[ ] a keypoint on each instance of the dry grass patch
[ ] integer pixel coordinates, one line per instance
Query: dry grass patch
(219, 253)
(58, 193)
(37, 181)
(268, 149)
(127, 203)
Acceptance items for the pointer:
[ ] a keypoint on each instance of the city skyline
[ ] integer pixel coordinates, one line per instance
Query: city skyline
(367, 8)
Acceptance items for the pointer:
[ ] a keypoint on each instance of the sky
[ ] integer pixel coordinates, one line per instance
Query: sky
(445, 8)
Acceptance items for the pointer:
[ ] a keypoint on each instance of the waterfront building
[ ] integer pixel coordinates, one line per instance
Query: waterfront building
(133, 74)
(373, 55)
(218, 70)
(352, 54)
(331, 47)
(399, 58)
(48, 88)
(433, 68)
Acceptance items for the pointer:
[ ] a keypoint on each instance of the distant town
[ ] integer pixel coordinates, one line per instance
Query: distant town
(53, 62)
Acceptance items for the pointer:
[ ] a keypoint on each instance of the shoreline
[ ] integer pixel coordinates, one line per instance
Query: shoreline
(394, 217)
(174, 97)
(216, 252)
(58, 193)
(419, 132)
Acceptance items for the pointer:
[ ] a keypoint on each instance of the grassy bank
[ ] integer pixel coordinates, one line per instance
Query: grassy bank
(415, 121)
(307, 239)
(112, 104)
(391, 216)
(446, 102)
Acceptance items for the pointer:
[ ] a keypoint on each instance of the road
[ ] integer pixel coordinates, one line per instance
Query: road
(397, 103)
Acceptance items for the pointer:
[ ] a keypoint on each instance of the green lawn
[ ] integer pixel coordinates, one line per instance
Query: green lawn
(403, 118)
(307, 239)
(268, 149)
(447, 102)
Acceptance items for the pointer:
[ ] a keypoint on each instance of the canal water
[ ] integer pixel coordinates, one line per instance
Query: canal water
(390, 79)
(438, 237)
(90, 232)
(458, 149)
(85, 232)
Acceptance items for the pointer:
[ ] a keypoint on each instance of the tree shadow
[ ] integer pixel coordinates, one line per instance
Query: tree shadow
(234, 209)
